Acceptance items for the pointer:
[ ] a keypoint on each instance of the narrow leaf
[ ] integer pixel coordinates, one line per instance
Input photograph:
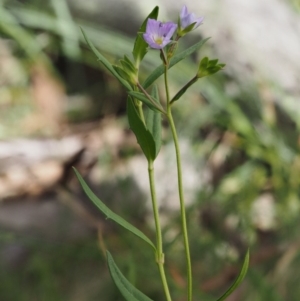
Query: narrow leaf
(174, 60)
(129, 292)
(128, 68)
(106, 63)
(239, 279)
(129, 64)
(121, 72)
(140, 46)
(143, 136)
(153, 122)
(184, 89)
(110, 214)
(140, 96)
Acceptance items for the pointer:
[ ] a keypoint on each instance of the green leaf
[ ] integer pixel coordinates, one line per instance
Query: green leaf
(106, 63)
(213, 63)
(153, 122)
(129, 72)
(208, 67)
(128, 66)
(187, 29)
(109, 214)
(122, 73)
(174, 60)
(239, 279)
(141, 96)
(204, 62)
(140, 46)
(129, 292)
(143, 136)
(184, 89)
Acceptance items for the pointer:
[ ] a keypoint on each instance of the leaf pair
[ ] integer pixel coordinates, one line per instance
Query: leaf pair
(129, 292)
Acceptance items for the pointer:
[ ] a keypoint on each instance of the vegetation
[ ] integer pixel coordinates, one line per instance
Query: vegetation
(249, 143)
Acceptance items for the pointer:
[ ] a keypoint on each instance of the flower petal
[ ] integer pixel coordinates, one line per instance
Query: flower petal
(159, 34)
(183, 12)
(187, 19)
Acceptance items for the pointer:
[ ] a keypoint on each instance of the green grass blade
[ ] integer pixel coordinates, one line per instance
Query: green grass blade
(66, 25)
(110, 214)
(239, 279)
(11, 27)
(174, 60)
(129, 292)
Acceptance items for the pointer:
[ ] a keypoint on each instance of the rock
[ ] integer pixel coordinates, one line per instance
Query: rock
(32, 166)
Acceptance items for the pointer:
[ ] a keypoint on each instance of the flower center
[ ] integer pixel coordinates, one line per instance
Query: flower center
(158, 40)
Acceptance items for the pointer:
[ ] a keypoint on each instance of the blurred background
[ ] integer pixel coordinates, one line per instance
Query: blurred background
(239, 134)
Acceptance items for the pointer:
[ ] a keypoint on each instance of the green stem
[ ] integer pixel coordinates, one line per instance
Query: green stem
(159, 245)
(155, 104)
(180, 190)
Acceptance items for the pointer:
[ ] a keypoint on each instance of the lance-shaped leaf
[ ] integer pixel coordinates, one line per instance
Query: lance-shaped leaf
(106, 63)
(239, 279)
(143, 136)
(129, 292)
(155, 105)
(153, 122)
(184, 89)
(110, 214)
(140, 46)
(174, 60)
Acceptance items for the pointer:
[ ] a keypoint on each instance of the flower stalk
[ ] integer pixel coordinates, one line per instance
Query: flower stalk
(154, 103)
(180, 190)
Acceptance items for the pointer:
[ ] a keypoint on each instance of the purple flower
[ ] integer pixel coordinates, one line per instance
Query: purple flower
(187, 19)
(159, 34)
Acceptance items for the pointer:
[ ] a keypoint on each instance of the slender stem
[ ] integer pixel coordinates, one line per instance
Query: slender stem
(182, 206)
(155, 104)
(180, 190)
(159, 245)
